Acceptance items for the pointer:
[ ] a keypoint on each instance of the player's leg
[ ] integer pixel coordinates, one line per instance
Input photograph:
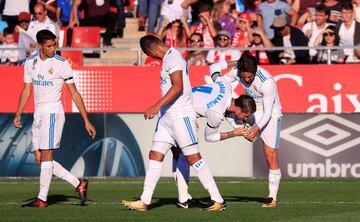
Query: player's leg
(271, 137)
(181, 172)
(162, 142)
(187, 139)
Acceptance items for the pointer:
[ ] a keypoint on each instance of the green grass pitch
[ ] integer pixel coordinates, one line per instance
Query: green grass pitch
(299, 200)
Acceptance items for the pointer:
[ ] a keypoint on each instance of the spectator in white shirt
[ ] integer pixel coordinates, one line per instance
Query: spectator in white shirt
(12, 9)
(42, 22)
(223, 40)
(313, 29)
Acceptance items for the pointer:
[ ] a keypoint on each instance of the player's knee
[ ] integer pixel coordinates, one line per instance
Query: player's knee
(155, 155)
(46, 155)
(192, 159)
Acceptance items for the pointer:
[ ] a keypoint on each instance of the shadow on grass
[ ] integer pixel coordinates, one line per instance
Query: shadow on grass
(60, 199)
(244, 199)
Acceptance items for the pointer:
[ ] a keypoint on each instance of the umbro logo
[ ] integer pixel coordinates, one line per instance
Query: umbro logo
(325, 134)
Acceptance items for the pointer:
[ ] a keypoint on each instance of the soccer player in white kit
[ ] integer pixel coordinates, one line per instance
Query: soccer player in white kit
(175, 126)
(46, 72)
(214, 102)
(259, 84)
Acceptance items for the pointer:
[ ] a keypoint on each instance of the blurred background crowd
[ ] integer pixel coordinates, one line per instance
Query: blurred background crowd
(214, 30)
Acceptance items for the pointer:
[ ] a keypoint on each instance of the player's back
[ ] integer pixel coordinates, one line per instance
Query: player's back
(215, 96)
(174, 61)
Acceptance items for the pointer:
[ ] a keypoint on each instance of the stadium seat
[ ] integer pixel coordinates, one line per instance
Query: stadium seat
(76, 57)
(63, 36)
(86, 37)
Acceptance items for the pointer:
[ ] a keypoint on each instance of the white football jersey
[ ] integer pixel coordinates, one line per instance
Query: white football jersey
(174, 61)
(215, 96)
(47, 78)
(264, 91)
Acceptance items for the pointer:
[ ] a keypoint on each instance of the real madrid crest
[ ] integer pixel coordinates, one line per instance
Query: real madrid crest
(51, 71)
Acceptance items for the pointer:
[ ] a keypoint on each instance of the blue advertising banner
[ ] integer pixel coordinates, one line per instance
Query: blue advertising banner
(114, 151)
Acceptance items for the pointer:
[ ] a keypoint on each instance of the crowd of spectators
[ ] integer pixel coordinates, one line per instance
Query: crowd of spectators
(215, 30)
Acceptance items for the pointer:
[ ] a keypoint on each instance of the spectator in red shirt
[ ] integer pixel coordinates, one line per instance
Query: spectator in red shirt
(243, 35)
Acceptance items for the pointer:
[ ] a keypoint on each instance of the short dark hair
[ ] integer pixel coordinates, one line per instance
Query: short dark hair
(246, 103)
(322, 8)
(149, 41)
(346, 5)
(44, 35)
(8, 31)
(247, 63)
(204, 7)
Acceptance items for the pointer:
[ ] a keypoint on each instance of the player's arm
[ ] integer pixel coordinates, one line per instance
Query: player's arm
(76, 97)
(174, 92)
(74, 20)
(24, 98)
(212, 134)
(216, 68)
(269, 92)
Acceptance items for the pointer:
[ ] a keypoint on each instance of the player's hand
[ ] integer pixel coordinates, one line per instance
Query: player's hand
(151, 112)
(90, 129)
(37, 157)
(17, 121)
(252, 133)
(241, 131)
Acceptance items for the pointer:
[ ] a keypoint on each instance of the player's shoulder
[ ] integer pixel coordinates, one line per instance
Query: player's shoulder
(59, 58)
(32, 58)
(263, 74)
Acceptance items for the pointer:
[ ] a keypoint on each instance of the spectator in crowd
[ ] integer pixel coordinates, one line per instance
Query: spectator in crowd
(3, 25)
(51, 7)
(175, 34)
(23, 24)
(334, 7)
(63, 12)
(196, 57)
(98, 14)
(272, 9)
(206, 27)
(259, 41)
(288, 36)
(172, 10)
(42, 21)
(356, 4)
(222, 16)
(348, 29)
(356, 56)
(252, 9)
(222, 51)
(8, 57)
(313, 29)
(243, 35)
(12, 9)
(329, 37)
(149, 9)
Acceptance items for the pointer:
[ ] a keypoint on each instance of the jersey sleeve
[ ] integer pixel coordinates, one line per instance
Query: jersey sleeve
(231, 75)
(27, 74)
(173, 64)
(67, 73)
(269, 91)
(214, 119)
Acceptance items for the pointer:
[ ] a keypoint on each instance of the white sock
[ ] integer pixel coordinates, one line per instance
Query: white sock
(151, 179)
(46, 173)
(62, 173)
(274, 182)
(207, 180)
(182, 187)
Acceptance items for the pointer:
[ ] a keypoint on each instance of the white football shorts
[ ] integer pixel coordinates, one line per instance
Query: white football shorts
(270, 134)
(177, 130)
(47, 130)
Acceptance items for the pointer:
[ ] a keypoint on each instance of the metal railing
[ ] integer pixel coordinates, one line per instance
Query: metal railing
(139, 58)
